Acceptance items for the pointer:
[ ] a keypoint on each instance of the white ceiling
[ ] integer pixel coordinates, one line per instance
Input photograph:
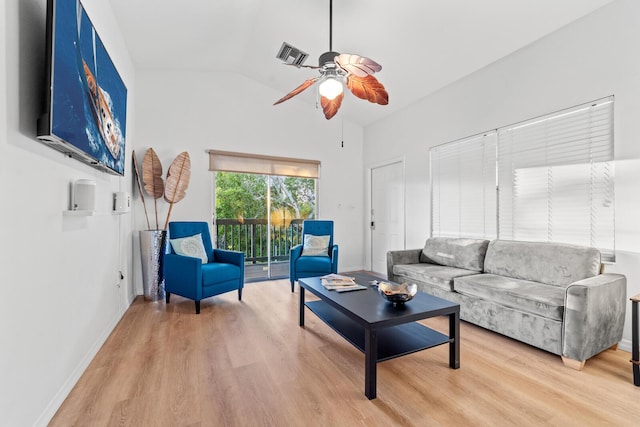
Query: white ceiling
(422, 45)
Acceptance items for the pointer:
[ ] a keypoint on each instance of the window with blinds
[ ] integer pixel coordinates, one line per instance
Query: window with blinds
(556, 178)
(548, 179)
(463, 188)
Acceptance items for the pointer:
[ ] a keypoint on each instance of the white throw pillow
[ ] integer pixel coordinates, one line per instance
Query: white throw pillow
(190, 246)
(315, 245)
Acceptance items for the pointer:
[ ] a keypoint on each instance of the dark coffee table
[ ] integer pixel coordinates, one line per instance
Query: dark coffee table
(379, 329)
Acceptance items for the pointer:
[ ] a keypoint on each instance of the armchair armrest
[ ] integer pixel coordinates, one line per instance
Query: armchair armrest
(334, 259)
(294, 254)
(405, 256)
(593, 315)
(229, 257)
(295, 251)
(183, 276)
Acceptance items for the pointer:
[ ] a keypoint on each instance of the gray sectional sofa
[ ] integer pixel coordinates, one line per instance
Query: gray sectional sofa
(552, 296)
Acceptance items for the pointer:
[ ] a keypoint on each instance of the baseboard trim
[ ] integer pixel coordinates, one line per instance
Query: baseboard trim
(625, 345)
(347, 269)
(55, 403)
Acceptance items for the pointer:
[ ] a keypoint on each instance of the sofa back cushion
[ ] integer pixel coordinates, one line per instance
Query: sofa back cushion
(551, 263)
(455, 252)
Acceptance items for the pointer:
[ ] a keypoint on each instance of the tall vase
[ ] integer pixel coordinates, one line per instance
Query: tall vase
(152, 250)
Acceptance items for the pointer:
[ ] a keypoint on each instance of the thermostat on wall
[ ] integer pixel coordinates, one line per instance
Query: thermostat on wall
(83, 197)
(121, 202)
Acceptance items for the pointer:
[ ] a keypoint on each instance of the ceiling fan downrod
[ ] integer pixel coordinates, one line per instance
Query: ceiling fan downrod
(326, 59)
(330, 25)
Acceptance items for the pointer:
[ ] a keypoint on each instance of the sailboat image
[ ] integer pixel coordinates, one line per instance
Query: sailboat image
(98, 98)
(102, 113)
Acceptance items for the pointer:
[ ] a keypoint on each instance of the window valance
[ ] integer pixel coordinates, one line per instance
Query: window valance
(227, 161)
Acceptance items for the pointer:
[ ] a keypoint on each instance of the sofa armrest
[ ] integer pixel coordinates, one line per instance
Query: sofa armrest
(594, 315)
(405, 256)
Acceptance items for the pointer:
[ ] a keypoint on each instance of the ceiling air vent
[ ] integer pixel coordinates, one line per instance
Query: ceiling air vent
(291, 55)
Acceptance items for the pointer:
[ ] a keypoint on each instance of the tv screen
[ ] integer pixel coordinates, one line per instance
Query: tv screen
(86, 101)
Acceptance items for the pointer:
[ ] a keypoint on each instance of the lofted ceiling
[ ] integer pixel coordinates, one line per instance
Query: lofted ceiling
(422, 45)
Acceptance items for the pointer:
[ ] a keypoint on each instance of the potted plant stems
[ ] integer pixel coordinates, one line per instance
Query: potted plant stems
(173, 189)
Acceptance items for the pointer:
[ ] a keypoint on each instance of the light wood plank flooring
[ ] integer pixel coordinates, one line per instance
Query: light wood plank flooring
(249, 364)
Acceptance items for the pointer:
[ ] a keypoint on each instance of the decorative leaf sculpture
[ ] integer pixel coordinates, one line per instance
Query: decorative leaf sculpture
(136, 170)
(357, 65)
(152, 178)
(152, 174)
(368, 88)
(331, 106)
(297, 90)
(178, 177)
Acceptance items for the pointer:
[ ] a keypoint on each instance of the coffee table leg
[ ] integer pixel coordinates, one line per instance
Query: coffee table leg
(454, 346)
(301, 318)
(370, 359)
(635, 345)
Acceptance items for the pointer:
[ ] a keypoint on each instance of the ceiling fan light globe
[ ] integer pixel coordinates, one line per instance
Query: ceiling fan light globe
(330, 88)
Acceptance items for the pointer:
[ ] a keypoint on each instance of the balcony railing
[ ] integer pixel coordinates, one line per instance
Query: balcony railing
(250, 236)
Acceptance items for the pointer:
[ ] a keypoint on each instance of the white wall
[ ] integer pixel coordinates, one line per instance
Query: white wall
(589, 59)
(198, 111)
(60, 294)
(60, 298)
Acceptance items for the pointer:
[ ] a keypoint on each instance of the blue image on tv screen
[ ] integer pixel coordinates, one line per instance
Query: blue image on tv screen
(89, 99)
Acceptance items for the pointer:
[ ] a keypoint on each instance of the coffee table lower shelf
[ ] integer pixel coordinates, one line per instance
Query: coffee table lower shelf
(393, 341)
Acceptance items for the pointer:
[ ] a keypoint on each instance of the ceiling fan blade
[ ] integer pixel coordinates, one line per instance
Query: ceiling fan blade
(356, 64)
(297, 90)
(313, 67)
(331, 106)
(368, 88)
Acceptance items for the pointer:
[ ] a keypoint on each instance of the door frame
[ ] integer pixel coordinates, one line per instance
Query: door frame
(368, 191)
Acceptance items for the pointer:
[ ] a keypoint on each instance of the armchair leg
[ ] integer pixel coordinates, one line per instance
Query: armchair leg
(240, 294)
(167, 297)
(197, 307)
(292, 285)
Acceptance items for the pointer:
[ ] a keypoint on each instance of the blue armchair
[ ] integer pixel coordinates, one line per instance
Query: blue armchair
(189, 277)
(301, 266)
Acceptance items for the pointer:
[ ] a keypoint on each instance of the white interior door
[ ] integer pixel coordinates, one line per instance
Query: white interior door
(387, 213)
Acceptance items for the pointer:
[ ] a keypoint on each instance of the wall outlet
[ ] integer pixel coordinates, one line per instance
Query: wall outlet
(119, 278)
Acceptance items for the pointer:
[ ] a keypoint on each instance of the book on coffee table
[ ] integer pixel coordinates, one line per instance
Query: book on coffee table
(339, 283)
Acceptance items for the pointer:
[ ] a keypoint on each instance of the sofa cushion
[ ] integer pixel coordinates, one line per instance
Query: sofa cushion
(552, 263)
(527, 296)
(455, 252)
(437, 275)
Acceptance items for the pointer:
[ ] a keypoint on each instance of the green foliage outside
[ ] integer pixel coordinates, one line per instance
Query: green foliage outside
(243, 199)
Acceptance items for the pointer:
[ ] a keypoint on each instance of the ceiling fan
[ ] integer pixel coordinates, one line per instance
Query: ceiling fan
(337, 69)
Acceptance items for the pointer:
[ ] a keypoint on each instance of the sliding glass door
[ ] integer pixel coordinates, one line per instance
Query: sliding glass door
(261, 215)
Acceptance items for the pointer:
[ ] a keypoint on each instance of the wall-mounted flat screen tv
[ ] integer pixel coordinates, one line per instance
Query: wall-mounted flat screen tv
(86, 100)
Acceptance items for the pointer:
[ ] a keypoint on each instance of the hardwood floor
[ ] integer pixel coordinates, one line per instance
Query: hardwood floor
(249, 364)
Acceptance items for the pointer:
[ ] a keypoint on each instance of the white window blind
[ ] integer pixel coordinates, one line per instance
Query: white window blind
(226, 161)
(463, 188)
(556, 178)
